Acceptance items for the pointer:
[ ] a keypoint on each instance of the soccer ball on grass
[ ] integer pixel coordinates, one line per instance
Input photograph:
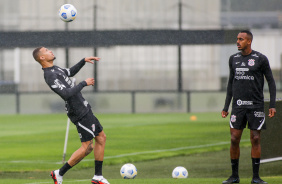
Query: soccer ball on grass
(67, 13)
(128, 171)
(180, 172)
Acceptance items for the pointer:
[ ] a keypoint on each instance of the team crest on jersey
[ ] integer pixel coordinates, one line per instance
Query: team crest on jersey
(251, 62)
(233, 118)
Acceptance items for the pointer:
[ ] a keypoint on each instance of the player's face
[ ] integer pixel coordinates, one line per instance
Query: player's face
(47, 54)
(243, 41)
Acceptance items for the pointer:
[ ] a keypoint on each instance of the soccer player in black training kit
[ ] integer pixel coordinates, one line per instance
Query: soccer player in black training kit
(78, 110)
(245, 86)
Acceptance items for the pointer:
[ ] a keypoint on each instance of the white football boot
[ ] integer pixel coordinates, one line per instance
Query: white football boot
(58, 179)
(99, 180)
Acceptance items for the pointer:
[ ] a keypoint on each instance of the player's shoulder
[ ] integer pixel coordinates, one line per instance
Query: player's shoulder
(258, 55)
(236, 55)
(49, 72)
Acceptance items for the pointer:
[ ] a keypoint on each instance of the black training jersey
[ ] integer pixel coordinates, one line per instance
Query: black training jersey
(58, 80)
(246, 81)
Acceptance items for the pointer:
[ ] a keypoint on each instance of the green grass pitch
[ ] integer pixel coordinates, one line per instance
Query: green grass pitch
(32, 145)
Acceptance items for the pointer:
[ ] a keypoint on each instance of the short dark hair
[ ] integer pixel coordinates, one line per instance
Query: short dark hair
(35, 53)
(249, 33)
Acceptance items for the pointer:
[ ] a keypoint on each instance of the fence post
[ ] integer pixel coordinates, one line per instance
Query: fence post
(188, 101)
(132, 102)
(17, 99)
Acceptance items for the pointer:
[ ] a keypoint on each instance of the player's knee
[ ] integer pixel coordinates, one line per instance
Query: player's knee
(255, 139)
(101, 139)
(235, 139)
(103, 136)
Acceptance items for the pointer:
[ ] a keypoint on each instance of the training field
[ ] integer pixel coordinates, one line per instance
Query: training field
(32, 145)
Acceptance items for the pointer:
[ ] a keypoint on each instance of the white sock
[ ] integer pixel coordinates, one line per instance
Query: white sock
(98, 177)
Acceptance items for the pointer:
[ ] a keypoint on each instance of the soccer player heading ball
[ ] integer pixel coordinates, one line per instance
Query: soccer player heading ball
(78, 110)
(247, 71)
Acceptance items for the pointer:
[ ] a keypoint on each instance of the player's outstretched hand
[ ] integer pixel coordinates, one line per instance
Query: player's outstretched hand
(272, 112)
(90, 59)
(90, 81)
(224, 114)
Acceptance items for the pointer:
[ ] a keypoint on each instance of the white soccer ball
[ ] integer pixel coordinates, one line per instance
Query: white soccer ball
(128, 171)
(67, 12)
(180, 172)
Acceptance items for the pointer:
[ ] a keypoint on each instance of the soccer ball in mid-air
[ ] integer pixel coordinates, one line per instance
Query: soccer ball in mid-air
(180, 172)
(128, 171)
(67, 12)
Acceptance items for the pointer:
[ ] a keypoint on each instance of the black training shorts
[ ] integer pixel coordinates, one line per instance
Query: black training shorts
(255, 118)
(88, 127)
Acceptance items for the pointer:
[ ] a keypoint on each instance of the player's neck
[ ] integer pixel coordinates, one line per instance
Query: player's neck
(246, 52)
(47, 64)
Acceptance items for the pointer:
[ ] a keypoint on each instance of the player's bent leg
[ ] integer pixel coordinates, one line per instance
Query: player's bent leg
(83, 151)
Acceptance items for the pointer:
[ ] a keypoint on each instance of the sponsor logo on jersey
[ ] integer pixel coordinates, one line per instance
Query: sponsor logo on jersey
(255, 55)
(233, 118)
(243, 64)
(80, 136)
(247, 77)
(242, 69)
(58, 84)
(238, 55)
(237, 63)
(259, 114)
(251, 62)
(240, 102)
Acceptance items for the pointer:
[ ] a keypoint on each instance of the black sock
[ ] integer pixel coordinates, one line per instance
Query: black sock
(235, 166)
(256, 164)
(98, 167)
(64, 169)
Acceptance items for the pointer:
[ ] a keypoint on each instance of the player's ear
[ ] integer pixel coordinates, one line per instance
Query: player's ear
(41, 58)
(249, 41)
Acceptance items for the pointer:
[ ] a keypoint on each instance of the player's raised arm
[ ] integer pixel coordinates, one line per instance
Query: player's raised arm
(90, 59)
(76, 68)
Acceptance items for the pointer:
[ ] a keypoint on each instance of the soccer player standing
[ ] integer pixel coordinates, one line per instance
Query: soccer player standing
(78, 110)
(246, 80)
